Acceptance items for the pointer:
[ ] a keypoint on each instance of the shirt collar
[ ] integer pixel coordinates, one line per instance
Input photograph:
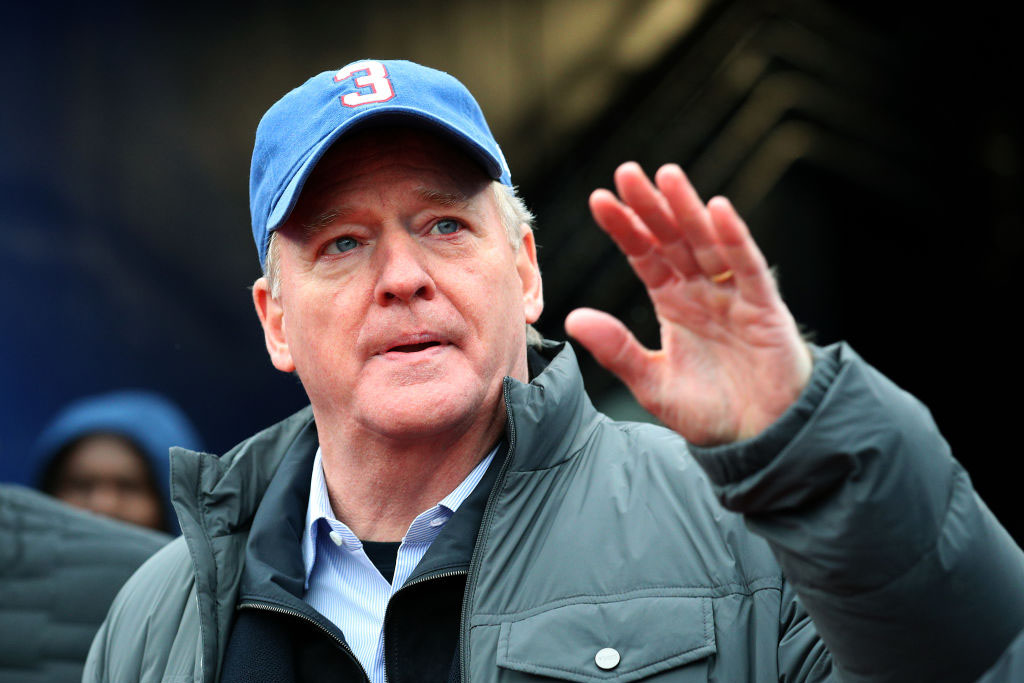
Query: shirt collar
(319, 507)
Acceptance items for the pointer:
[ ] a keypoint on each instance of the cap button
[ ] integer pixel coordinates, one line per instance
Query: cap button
(607, 658)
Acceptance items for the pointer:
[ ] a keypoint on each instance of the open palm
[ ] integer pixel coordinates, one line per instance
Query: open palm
(731, 358)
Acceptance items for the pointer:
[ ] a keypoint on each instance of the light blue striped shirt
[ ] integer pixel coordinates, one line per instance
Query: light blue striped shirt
(341, 581)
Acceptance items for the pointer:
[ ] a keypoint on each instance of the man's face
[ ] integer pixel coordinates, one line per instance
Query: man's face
(402, 304)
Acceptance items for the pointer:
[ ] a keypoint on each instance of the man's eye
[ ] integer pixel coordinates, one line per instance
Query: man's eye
(446, 226)
(341, 245)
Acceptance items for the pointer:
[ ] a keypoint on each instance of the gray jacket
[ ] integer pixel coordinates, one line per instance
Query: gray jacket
(1009, 667)
(600, 534)
(60, 568)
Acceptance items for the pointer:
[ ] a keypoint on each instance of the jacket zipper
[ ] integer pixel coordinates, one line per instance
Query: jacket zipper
(387, 613)
(474, 563)
(249, 604)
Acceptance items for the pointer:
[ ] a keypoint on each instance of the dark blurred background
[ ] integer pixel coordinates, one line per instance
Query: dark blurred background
(877, 155)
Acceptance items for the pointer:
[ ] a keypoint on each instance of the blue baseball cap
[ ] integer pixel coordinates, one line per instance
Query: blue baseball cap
(296, 132)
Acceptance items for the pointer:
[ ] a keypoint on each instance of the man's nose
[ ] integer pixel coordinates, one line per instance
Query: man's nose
(403, 275)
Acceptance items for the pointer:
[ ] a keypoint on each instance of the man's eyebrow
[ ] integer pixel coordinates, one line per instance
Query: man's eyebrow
(453, 200)
(312, 225)
(317, 222)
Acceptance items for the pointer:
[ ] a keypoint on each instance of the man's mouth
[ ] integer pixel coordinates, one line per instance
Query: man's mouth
(413, 348)
(413, 343)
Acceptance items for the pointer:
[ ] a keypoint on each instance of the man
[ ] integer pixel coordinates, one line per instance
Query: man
(451, 507)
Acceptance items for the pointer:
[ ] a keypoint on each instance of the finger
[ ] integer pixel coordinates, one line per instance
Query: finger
(615, 348)
(693, 218)
(752, 275)
(632, 237)
(651, 207)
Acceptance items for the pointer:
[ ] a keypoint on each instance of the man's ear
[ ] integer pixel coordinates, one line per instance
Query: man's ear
(529, 274)
(271, 316)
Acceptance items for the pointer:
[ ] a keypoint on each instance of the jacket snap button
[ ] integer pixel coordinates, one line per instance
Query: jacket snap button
(607, 658)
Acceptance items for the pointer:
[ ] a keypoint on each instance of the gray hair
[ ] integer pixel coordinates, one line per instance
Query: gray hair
(514, 215)
(511, 210)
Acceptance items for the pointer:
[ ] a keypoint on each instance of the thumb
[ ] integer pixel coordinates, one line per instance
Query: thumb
(614, 347)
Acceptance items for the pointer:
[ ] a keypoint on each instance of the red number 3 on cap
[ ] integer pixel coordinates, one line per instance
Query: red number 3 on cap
(376, 78)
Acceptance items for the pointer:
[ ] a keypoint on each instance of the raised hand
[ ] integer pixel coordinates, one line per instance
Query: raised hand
(731, 358)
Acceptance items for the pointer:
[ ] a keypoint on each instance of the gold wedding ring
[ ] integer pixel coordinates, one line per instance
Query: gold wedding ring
(722, 277)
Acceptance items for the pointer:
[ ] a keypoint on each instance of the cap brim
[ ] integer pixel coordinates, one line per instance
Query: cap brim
(286, 202)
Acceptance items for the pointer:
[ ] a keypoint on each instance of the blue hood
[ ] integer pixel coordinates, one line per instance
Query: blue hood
(150, 421)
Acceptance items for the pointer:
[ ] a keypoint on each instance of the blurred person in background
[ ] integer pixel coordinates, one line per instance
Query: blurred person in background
(59, 569)
(109, 454)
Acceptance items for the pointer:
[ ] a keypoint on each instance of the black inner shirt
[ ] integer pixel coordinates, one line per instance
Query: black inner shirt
(384, 555)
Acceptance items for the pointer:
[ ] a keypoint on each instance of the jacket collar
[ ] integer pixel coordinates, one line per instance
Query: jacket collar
(550, 418)
(217, 496)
